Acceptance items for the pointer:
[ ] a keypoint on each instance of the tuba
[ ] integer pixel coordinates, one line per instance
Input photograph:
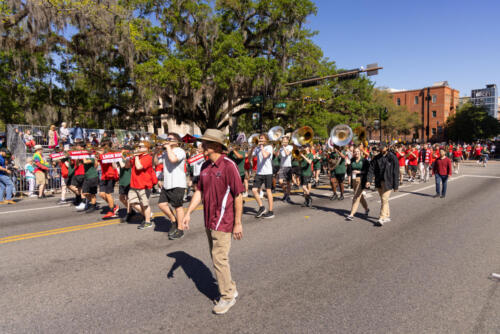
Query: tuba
(302, 136)
(296, 153)
(276, 133)
(341, 135)
(253, 140)
(360, 136)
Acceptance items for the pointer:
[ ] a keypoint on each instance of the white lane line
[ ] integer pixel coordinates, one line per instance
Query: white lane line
(35, 209)
(485, 176)
(420, 189)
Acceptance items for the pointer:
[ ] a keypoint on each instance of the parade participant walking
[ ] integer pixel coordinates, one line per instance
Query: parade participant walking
(124, 186)
(384, 168)
(77, 180)
(6, 185)
(174, 185)
(412, 156)
(359, 167)
(141, 183)
(337, 172)
(306, 174)
(441, 170)
(318, 159)
(90, 184)
(457, 158)
(109, 176)
(264, 176)
(221, 189)
(238, 156)
(41, 168)
(400, 154)
(285, 172)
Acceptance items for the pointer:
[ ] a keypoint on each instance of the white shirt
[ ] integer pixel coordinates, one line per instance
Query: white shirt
(173, 173)
(264, 166)
(286, 160)
(64, 132)
(196, 162)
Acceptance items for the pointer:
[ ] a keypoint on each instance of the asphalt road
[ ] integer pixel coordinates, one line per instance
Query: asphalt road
(305, 271)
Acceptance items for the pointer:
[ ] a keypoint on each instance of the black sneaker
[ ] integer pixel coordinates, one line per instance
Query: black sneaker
(176, 235)
(92, 208)
(309, 202)
(268, 215)
(144, 226)
(60, 202)
(260, 212)
(341, 198)
(333, 197)
(173, 229)
(442, 196)
(436, 196)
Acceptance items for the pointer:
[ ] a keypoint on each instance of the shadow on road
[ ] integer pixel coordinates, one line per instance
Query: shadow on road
(162, 224)
(197, 271)
(415, 193)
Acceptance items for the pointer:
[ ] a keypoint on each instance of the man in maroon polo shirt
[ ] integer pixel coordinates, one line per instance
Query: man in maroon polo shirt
(221, 189)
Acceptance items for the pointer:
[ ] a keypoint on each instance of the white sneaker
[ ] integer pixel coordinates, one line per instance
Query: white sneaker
(81, 207)
(245, 194)
(349, 217)
(261, 194)
(223, 306)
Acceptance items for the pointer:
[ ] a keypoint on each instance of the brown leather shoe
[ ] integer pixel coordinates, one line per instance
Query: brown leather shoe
(10, 201)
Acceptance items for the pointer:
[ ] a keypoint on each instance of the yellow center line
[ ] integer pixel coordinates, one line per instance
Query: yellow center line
(74, 228)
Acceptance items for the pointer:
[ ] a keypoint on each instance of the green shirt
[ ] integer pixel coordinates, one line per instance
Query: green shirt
(239, 162)
(340, 169)
(305, 167)
(358, 165)
(317, 162)
(125, 174)
(295, 163)
(90, 170)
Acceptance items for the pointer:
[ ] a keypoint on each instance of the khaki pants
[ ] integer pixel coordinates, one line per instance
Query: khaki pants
(358, 196)
(384, 199)
(220, 243)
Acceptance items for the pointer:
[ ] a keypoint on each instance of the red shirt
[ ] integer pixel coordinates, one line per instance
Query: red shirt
(220, 183)
(108, 172)
(247, 164)
(254, 163)
(401, 159)
(79, 170)
(478, 150)
(469, 148)
(413, 159)
(457, 154)
(64, 169)
(442, 167)
(141, 179)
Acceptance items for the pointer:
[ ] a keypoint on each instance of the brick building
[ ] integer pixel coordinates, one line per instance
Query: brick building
(434, 104)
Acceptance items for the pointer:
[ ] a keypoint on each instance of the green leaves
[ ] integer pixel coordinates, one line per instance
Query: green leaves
(472, 123)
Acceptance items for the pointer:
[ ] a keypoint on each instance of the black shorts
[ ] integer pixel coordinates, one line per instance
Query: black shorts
(412, 168)
(305, 180)
(107, 186)
(123, 190)
(174, 196)
(340, 177)
(455, 159)
(242, 178)
(296, 170)
(285, 173)
(276, 169)
(90, 186)
(259, 180)
(67, 181)
(77, 180)
(196, 179)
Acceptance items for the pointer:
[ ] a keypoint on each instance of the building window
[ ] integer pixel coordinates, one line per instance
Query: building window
(433, 131)
(434, 114)
(416, 99)
(434, 98)
(398, 101)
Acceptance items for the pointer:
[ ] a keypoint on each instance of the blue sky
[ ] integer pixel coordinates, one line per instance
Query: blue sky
(417, 42)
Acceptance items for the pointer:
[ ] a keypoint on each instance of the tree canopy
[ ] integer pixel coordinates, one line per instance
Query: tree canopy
(471, 123)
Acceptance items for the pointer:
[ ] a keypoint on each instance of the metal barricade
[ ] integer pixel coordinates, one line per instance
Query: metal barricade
(25, 183)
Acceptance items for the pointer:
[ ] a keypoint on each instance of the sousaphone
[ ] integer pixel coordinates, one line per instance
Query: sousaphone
(341, 135)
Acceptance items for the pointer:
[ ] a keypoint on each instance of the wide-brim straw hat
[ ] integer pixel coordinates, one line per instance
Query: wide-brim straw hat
(38, 147)
(214, 135)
